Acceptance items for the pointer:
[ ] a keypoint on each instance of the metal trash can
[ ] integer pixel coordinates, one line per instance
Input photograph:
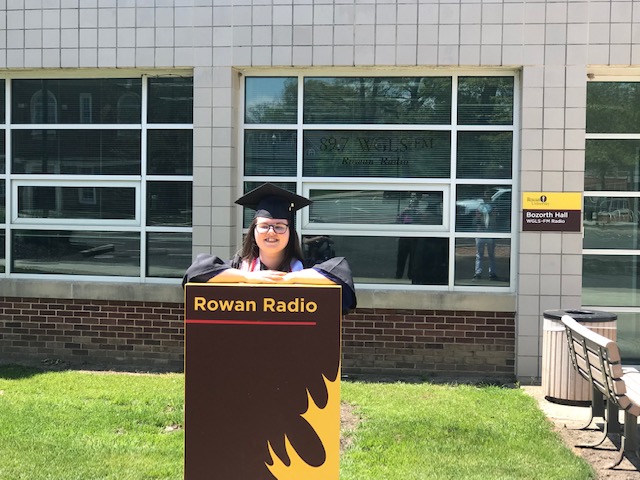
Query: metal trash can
(560, 382)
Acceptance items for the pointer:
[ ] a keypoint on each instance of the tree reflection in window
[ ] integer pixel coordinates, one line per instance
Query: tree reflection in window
(485, 100)
(613, 107)
(271, 100)
(612, 164)
(377, 100)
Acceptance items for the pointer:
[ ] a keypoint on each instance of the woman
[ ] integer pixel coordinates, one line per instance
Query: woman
(271, 251)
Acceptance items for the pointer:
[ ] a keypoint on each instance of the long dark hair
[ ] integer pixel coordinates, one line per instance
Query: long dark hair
(292, 251)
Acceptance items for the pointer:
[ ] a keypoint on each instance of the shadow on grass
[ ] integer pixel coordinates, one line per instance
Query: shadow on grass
(478, 381)
(29, 369)
(17, 372)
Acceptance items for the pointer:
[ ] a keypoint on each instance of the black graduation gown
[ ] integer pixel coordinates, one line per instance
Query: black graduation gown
(335, 269)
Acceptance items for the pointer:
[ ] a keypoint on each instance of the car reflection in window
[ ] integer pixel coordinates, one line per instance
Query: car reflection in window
(501, 206)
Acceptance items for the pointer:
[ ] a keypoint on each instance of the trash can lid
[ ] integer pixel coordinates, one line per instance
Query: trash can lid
(580, 315)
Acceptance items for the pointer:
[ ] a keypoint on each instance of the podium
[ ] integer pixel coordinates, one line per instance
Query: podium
(262, 381)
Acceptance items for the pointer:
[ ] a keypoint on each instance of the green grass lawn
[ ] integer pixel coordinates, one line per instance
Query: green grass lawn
(86, 426)
(427, 431)
(71, 425)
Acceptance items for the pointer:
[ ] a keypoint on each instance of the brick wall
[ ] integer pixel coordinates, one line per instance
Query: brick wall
(150, 335)
(92, 333)
(429, 343)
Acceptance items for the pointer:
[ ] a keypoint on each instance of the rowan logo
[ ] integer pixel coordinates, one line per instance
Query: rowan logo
(542, 199)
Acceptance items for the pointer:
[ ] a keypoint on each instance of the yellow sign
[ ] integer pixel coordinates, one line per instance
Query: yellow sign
(551, 211)
(551, 200)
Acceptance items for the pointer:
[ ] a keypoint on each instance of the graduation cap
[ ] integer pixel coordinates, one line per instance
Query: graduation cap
(271, 201)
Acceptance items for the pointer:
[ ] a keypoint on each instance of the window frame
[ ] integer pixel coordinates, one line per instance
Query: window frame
(611, 193)
(628, 333)
(448, 185)
(139, 182)
(378, 230)
(86, 182)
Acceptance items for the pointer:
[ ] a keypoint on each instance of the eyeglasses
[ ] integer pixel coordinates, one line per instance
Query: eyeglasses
(279, 228)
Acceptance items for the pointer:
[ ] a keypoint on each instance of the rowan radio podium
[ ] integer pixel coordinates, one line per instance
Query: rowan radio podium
(262, 381)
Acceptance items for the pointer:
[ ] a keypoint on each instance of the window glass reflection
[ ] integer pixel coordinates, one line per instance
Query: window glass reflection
(611, 222)
(612, 107)
(485, 101)
(376, 207)
(610, 280)
(89, 100)
(377, 153)
(169, 203)
(612, 165)
(101, 203)
(381, 100)
(3, 202)
(170, 152)
(168, 254)
(2, 251)
(483, 262)
(2, 152)
(418, 261)
(483, 208)
(76, 252)
(170, 100)
(76, 152)
(416, 156)
(2, 101)
(270, 152)
(628, 332)
(484, 154)
(271, 100)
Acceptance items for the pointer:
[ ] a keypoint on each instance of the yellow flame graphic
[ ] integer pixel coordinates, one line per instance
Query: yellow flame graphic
(326, 423)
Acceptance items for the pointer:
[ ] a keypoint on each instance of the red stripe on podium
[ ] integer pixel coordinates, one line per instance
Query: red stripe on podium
(248, 322)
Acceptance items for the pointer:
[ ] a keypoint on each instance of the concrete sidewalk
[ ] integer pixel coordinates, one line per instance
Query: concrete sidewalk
(569, 420)
(563, 414)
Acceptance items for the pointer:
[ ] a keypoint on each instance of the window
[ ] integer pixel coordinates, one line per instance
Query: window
(400, 170)
(97, 186)
(611, 210)
(66, 202)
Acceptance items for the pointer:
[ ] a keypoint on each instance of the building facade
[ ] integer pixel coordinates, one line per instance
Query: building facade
(130, 127)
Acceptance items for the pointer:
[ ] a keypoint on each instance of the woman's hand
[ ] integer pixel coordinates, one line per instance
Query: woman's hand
(233, 275)
(264, 276)
(307, 276)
